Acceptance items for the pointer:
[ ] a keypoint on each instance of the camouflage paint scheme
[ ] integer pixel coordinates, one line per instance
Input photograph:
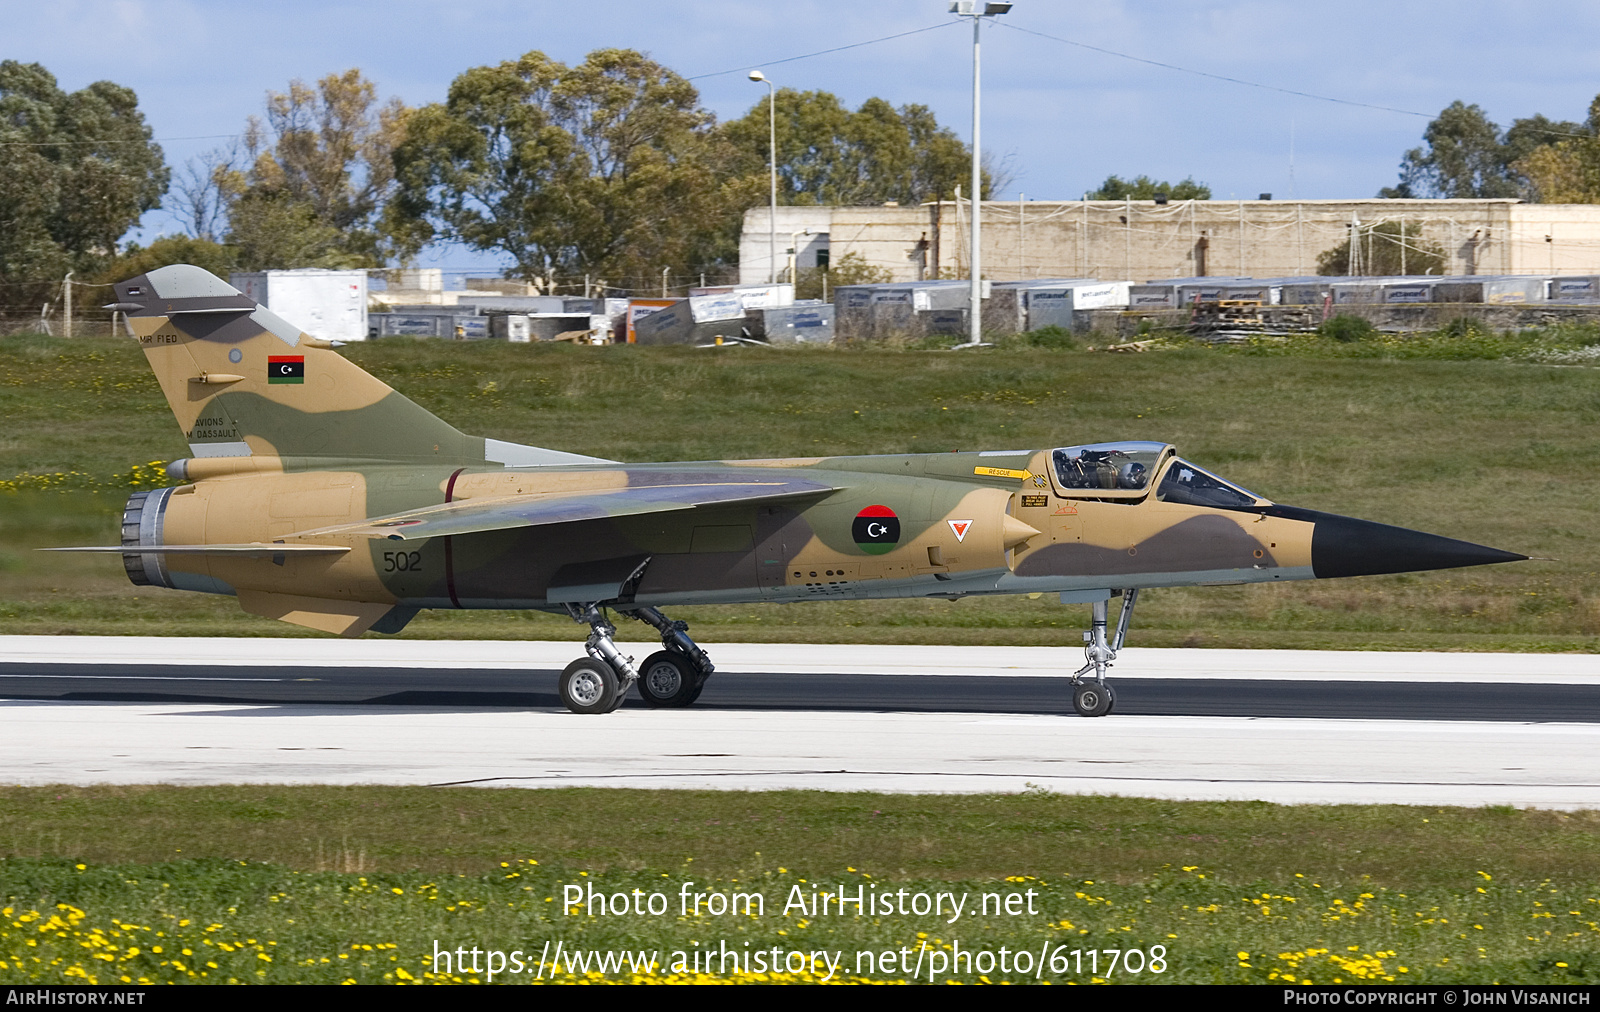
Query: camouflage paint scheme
(320, 496)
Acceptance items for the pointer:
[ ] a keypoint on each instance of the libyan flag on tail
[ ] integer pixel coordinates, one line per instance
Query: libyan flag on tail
(286, 369)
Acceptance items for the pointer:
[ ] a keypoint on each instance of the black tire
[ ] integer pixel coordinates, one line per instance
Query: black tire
(589, 686)
(1092, 699)
(699, 687)
(668, 679)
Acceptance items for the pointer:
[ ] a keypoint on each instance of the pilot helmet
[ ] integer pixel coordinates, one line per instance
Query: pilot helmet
(1132, 475)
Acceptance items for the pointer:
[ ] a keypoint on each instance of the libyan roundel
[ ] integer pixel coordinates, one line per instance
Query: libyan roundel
(876, 530)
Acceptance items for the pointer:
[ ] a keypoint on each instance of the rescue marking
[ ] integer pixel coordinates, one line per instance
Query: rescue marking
(1003, 472)
(960, 528)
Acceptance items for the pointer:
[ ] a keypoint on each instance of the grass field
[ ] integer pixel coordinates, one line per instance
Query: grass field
(1463, 434)
(337, 884)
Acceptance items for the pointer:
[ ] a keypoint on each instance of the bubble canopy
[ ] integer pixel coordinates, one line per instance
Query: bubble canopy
(1129, 470)
(1117, 470)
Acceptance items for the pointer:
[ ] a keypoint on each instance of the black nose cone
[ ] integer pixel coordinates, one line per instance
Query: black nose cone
(1342, 546)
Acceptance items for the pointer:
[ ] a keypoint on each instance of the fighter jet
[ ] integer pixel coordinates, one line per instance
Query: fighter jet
(317, 495)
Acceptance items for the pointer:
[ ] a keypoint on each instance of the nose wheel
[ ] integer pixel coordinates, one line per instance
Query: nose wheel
(1093, 699)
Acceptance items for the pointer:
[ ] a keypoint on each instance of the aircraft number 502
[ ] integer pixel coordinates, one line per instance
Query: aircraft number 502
(400, 562)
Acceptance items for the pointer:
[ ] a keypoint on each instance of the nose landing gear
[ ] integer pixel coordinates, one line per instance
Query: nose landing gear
(1093, 697)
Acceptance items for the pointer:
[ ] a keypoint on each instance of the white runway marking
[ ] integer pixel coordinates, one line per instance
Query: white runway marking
(800, 658)
(1215, 758)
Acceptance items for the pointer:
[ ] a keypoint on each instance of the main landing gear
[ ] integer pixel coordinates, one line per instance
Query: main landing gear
(1093, 697)
(598, 683)
(675, 674)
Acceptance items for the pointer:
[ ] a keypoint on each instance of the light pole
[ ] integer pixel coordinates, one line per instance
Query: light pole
(772, 159)
(794, 255)
(977, 10)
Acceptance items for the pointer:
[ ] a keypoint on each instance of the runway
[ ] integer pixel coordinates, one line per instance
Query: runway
(1283, 726)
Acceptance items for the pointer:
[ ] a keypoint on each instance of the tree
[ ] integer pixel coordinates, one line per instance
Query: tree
(610, 168)
(205, 188)
(1387, 249)
(315, 178)
(76, 173)
(1567, 171)
(830, 155)
(1467, 156)
(850, 269)
(172, 249)
(1145, 188)
(273, 231)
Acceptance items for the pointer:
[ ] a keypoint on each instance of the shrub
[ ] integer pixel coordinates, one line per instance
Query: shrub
(1347, 328)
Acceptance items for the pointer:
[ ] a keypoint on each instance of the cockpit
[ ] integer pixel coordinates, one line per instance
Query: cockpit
(1126, 472)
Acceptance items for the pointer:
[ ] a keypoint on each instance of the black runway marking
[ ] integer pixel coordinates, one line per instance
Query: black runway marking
(777, 691)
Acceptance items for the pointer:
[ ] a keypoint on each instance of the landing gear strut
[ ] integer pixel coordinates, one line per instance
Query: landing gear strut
(598, 683)
(674, 675)
(1092, 697)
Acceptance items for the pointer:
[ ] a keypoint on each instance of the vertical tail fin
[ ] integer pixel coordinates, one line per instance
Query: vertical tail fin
(245, 383)
(242, 382)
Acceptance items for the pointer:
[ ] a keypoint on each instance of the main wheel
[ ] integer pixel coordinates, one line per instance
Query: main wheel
(589, 686)
(666, 678)
(1092, 699)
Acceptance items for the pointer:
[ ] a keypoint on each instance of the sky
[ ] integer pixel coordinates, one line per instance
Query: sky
(1058, 116)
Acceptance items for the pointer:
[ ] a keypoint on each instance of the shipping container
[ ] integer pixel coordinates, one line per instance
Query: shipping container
(1056, 306)
(1410, 291)
(637, 310)
(1228, 289)
(1005, 309)
(945, 322)
(403, 325)
(1362, 291)
(884, 310)
(1493, 290)
(1305, 293)
(330, 305)
(676, 324)
(753, 296)
(1573, 288)
(799, 323)
(571, 304)
(1164, 293)
(512, 327)
(549, 326)
(716, 308)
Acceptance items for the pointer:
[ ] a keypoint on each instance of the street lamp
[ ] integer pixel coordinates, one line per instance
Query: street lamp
(772, 158)
(977, 11)
(794, 255)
